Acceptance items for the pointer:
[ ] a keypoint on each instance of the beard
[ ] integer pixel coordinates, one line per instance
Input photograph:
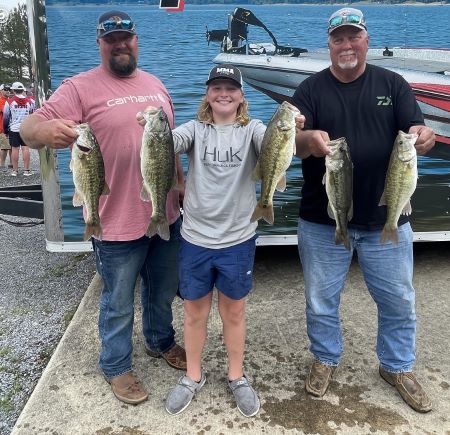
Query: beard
(123, 68)
(347, 64)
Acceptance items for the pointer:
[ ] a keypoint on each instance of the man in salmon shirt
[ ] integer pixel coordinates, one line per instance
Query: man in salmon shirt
(108, 98)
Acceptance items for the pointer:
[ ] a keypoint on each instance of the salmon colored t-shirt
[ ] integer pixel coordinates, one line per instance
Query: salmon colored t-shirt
(109, 104)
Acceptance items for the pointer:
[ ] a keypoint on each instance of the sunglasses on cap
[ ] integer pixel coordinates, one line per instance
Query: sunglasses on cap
(347, 19)
(114, 25)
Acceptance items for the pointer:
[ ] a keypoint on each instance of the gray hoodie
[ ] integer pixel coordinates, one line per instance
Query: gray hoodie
(220, 192)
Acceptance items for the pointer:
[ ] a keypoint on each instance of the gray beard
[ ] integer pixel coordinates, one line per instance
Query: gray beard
(123, 70)
(348, 65)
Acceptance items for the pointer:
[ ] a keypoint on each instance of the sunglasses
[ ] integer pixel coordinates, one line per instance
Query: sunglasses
(349, 19)
(113, 25)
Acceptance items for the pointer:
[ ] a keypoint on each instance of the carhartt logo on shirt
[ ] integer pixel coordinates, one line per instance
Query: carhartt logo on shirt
(384, 101)
(136, 99)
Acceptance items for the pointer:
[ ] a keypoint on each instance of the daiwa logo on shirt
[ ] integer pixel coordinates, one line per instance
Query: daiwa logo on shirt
(384, 101)
(136, 99)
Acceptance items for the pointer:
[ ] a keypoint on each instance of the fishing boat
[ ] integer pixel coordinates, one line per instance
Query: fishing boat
(276, 70)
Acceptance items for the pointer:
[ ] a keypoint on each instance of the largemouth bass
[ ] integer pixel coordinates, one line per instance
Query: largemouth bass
(157, 168)
(400, 184)
(88, 173)
(338, 180)
(277, 149)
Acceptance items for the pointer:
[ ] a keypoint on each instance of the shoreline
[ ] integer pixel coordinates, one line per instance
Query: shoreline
(249, 6)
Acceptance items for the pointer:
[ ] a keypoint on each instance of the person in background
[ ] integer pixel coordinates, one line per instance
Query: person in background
(16, 109)
(124, 253)
(5, 147)
(344, 101)
(218, 240)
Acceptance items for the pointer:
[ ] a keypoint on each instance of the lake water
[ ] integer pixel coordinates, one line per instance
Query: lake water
(173, 47)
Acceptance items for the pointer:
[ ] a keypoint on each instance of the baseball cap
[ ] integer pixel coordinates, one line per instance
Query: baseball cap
(225, 71)
(346, 17)
(115, 21)
(17, 86)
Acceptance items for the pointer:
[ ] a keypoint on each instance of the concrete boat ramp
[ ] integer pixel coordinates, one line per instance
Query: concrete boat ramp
(73, 398)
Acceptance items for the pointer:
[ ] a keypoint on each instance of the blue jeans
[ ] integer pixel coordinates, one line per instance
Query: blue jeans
(387, 271)
(119, 264)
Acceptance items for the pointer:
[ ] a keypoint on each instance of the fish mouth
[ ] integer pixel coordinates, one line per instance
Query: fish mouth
(152, 110)
(407, 158)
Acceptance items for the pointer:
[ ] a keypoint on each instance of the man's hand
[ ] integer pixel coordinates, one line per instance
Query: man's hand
(299, 122)
(140, 117)
(37, 132)
(426, 138)
(312, 143)
(58, 133)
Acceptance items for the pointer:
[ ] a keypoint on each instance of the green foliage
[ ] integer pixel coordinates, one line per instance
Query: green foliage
(15, 59)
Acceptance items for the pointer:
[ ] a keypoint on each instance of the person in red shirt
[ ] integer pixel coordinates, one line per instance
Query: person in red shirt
(4, 142)
(16, 109)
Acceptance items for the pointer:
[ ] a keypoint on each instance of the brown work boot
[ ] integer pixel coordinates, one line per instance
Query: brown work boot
(175, 357)
(410, 390)
(128, 389)
(319, 378)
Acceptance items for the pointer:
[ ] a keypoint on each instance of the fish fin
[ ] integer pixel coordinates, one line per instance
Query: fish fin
(407, 209)
(257, 173)
(159, 225)
(106, 190)
(350, 212)
(324, 179)
(92, 230)
(330, 211)
(340, 237)
(77, 200)
(263, 212)
(389, 234)
(281, 186)
(382, 200)
(145, 194)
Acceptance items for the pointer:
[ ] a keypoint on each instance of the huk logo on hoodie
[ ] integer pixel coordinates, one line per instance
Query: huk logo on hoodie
(223, 157)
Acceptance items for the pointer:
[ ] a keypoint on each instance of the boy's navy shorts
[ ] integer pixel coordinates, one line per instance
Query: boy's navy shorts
(230, 269)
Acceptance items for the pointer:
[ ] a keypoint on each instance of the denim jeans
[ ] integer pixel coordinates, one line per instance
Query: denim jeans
(119, 264)
(387, 271)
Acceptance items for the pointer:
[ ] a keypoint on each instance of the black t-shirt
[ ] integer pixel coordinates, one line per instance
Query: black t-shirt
(368, 112)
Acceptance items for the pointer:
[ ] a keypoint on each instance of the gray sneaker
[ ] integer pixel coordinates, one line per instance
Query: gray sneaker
(182, 394)
(246, 398)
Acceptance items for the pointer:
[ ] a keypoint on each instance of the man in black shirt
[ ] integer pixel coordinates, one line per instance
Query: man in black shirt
(344, 101)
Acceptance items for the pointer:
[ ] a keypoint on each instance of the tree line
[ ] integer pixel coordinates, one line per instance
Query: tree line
(15, 58)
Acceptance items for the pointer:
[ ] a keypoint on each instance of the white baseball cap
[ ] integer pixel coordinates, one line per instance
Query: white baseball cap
(17, 86)
(346, 17)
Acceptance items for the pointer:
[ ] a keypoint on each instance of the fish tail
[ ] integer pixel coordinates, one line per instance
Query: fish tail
(263, 212)
(159, 225)
(92, 230)
(389, 234)
(340, 237)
